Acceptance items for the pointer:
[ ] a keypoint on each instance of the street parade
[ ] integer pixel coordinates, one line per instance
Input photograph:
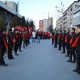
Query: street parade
(39, 40)
(69, 41)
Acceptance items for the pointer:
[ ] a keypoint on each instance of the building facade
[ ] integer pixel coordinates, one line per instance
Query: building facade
(50, 21)
(70, 17)
(45, 23)
(59, 23)
(8, 13)
(41, 25)
(76, 16)
(13, 5)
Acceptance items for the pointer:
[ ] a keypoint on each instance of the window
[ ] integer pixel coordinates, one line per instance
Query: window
(76, 14)
(73, 7)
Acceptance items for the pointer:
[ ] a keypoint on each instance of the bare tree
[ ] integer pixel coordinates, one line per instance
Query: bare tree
(50, 28)
(32, 25)
(59, 10)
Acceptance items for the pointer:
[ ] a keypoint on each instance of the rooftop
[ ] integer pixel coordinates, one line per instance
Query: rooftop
(3, 5)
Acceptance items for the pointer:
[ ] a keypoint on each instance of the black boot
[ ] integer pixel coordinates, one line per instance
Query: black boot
(74, 61)
(10, 57)
(4, 64)
(66, 55)
(20, 50)
(75, 70)
(16, 54)
(78, 71)
(69, 61)
(0, 64)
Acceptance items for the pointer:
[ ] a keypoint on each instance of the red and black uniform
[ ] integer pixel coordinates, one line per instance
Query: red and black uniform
(48, 35)
(60, 40)
(45, 35)
(63, 42)
(77, 45)
(55, 39)
(3, 47)
(16, 43)
(72, 49)
(20, 37)
(28, 38)
(10, 45)
(24, 40)
(67, 40)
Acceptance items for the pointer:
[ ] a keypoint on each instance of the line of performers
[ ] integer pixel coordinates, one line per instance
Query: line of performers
(44, 35)
(69, 41)
(12, 41)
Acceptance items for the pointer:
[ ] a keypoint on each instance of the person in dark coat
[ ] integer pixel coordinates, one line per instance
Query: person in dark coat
(67, 40)
(63, 41)
(16, 42)
(72, 49)
(3, 47)
(55, 39)
(38, 37)
(60, 39)
(52, 38)
(20, 37)
(24, 39)
(28, 36)
(77, 45)
(10, 44)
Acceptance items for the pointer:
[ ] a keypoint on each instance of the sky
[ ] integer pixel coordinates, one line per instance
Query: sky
(39, 9)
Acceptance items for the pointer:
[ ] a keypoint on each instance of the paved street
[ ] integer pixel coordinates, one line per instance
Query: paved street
(39, 62)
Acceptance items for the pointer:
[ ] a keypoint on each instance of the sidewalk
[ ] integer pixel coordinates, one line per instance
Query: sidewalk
(39, 62)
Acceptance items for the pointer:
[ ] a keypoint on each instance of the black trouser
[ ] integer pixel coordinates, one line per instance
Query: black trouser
(78, 62)
(72, 54)
(10, 56)
(16, 47)
(55, 45)
(52, 41)
(27, 42)
(24, 43)
(63, 47)
(68, 52)
(20, 44)
(68, 48)
(59, 45)
(2, 55)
